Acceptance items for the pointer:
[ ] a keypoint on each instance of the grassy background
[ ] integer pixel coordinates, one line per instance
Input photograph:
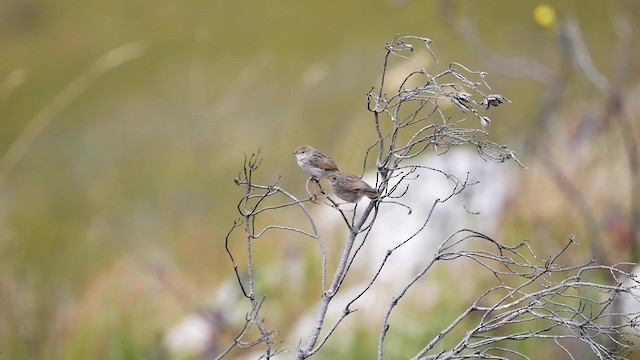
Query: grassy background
(112, 223)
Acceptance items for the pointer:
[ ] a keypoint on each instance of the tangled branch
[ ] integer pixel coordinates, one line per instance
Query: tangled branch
(531, 300)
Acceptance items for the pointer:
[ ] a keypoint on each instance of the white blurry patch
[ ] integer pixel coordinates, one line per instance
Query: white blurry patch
(196, 333)
(192, 335)
(630, 304)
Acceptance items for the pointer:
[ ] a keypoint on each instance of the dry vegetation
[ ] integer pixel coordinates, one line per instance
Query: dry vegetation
(531, 300)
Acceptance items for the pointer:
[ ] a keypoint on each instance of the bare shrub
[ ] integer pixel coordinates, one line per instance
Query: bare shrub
(532, 299)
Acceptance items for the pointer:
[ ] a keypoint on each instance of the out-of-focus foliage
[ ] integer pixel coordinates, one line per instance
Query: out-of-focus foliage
(112, 222)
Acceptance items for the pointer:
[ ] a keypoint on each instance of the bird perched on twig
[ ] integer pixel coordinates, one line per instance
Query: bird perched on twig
(350, 188)
(314, 163)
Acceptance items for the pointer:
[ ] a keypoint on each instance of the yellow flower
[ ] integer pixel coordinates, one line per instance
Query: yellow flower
(544, 15)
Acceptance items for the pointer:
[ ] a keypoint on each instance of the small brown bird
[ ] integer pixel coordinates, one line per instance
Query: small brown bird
(314, 163)
(350, 188)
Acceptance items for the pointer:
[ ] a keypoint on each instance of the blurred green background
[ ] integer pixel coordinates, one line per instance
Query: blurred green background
(112, 219)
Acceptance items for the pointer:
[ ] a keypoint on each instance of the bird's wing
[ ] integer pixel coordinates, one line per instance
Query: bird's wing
(327, 164)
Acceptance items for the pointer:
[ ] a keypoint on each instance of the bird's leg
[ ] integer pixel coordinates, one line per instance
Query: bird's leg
(313, 196)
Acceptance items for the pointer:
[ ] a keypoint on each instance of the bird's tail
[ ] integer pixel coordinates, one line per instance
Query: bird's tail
(370, 193)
